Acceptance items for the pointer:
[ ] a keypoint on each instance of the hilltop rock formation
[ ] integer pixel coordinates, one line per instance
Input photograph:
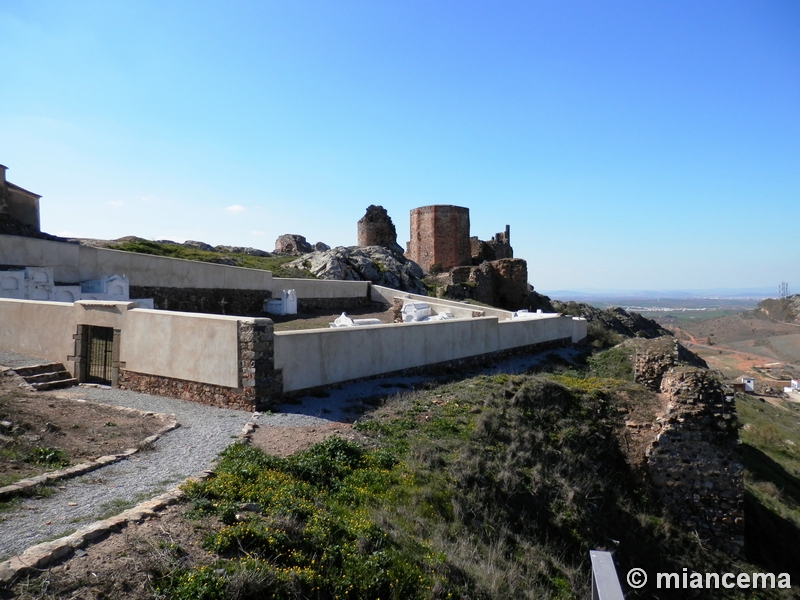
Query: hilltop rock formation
(502, 283)
(786, 310)
(291, 243)
(376, 228)
(371, 263)
(615, 319)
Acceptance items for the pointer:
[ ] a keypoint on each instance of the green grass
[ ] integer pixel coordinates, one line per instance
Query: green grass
(488, 487)
(275, 264)
(771, 454)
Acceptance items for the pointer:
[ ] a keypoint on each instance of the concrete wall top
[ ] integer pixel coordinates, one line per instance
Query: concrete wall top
(320, 288)
(387, 295)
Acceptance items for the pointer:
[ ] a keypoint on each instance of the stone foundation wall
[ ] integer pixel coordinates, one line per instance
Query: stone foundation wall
(243, 303)
(693, 460)
(260, 385)
(205, 393)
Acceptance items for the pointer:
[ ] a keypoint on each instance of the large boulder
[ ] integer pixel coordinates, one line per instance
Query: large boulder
(371, 263)
(291, 243)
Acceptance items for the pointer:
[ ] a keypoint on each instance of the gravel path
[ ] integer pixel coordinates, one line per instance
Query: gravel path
(204, 432)
(15, 361)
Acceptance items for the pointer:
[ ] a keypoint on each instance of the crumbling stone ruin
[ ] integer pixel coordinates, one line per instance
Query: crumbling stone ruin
(440, 237)
(376, 228)
(693, 461)
(692, 458)
(495, 249)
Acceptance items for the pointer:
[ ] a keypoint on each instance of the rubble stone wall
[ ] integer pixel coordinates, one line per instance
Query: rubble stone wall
(693, 460)
(376, 228)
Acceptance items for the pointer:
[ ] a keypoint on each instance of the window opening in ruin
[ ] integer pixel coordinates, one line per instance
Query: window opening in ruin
(99, 355)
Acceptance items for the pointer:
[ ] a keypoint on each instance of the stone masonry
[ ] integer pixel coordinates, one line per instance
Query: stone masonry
(495, 249)
(376, 228)
(693, 460)
(260, 385)
(440, 236)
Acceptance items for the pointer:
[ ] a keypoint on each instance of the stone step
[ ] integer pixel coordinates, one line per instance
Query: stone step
(49, 376)
(40, 368)
(54, 385)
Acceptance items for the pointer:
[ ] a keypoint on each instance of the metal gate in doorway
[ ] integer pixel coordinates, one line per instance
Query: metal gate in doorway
(99, 351)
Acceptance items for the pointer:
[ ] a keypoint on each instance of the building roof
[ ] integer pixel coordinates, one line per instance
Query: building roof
(16, 188)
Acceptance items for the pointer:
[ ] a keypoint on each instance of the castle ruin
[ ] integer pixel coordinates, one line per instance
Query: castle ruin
(376, 228)
(440, 236)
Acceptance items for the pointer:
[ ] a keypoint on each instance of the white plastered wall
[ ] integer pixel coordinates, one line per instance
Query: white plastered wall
(324, 356)
(187, 346)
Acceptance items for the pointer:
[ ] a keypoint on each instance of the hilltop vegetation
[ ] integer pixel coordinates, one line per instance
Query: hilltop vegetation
(781, 309)
(265, 261)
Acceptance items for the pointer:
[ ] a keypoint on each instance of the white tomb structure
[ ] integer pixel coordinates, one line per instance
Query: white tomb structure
(421, 311)
(416, 311)
(749, 384)
(526, 314)
(106, 288)
(37, 283)
(344, 321)
(285, 305)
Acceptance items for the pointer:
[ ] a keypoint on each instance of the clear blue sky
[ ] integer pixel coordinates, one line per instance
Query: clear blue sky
(633, 145)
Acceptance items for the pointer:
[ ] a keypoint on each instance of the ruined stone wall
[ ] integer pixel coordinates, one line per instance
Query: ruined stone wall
(693, 460)
(497, 248)
(440, 236)
(376, 228)
(260, 385)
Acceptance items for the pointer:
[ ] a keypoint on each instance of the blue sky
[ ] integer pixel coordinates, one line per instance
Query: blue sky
(630, 145)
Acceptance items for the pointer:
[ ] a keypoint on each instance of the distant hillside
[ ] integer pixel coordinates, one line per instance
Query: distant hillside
(786, 309)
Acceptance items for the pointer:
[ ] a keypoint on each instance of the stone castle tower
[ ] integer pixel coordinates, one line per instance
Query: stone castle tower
(375, 228)
(440, 235)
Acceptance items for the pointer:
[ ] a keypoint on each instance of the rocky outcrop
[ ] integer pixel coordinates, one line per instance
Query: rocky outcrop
(616, 319)
(239, 250)
(786, 309)
(291, 243)
(371, 263)
(502, 283)
(376, 228)
(693, 460)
